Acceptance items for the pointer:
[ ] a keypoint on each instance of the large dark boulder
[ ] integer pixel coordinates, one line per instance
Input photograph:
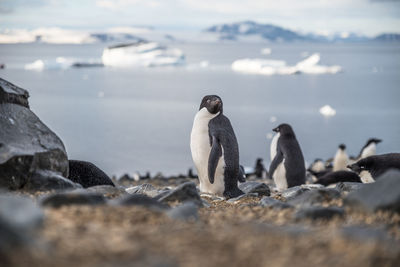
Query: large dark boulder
(27, 145)
(384, 194)
(87, 174)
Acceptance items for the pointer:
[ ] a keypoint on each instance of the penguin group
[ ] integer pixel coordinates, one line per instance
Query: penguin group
(215, 153)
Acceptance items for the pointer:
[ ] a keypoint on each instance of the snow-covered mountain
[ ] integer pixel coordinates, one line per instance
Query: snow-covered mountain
(268, 32)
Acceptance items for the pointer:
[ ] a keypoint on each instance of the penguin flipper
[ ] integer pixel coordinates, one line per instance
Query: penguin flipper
(215, 154)
(276, 161)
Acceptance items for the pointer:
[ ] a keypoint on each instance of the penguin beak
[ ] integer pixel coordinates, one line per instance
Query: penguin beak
(378, 141)
(276, 129)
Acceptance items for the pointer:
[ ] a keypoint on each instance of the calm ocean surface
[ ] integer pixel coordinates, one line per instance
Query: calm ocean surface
(127, 120)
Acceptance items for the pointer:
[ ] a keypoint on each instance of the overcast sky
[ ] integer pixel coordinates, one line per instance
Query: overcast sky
(363, 16)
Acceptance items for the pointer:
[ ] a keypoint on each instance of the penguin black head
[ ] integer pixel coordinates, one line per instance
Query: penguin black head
(284, 129)
(342, 146)
(373, 140)
(213, 103)
(361, 165)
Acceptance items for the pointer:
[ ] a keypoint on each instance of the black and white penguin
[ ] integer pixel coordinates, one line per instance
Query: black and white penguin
(341, 159)
(372, 167)
(287, 164)
(369, 149)
(317, 166)
(338, 176)
(215, 150)
(259, 169)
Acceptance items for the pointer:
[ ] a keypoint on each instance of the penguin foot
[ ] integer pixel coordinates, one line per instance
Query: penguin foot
(233, 193)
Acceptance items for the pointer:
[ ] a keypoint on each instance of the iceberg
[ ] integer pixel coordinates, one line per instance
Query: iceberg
(142, 54)
(273, 67)
(327, 111)
(266, 51)
(58, 63)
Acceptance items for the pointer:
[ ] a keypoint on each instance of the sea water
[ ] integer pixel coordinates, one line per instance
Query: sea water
(139, 119)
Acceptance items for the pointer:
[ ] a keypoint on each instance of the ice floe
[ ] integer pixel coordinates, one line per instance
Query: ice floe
(327, 111)
(60, 63)
(266, 51)
(142, 54)
(274, 67)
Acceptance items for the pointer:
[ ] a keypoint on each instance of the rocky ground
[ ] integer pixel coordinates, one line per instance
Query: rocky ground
(166, 223)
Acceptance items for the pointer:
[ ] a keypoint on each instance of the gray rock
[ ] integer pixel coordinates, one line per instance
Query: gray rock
(87, 174)
(241, 197)
(19, 219)
(108, 191)
(315, 197)
(27, 145)
(48, 180)
(274, 203)
(255, 187)
(146, 189)
(185, 212)
(348, 186)
(144, 201)
(9, 93)
(317, 213)
(384, 194)
(293, 192)
(184, 192)
(76, 197)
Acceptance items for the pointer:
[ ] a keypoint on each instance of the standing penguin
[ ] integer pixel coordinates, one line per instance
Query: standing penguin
(369, 149)
(287, 167)
(215, 150)
(341, 159)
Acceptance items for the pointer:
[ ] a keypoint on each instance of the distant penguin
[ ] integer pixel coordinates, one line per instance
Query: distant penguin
(338, 176)
(287, 166)
(215, 150)
(259, 169)
(372, 167)
(87, 174)
(341, 159)
(317, 166)
(369, 149)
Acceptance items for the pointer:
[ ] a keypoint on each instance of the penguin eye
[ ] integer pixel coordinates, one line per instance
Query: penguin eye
(362, 167)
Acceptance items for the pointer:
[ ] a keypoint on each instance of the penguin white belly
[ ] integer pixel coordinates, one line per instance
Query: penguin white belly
(366, 177)
(370, 150)
(280, 176)
(274, 144)
(201, 148)
(340, 161)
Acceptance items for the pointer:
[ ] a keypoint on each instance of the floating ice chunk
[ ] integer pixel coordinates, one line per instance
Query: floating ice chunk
(273, 119)
(37, 65)
(272, 67)
(327, 111)
(266, 51)
(58, 63)
(204, 64)
(258, 66)
(141, 54)
(269, 135)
